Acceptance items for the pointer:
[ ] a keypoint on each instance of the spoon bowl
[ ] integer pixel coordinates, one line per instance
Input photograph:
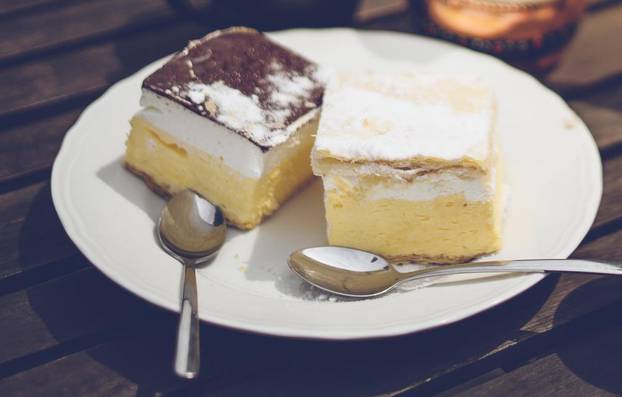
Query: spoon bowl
(345, 271)
(191, 227)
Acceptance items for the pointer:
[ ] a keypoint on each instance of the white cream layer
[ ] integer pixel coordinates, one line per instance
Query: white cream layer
(375, 117)
(215, 139)
(422, 188)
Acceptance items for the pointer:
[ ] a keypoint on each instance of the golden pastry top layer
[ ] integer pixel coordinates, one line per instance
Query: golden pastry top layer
(406, 121)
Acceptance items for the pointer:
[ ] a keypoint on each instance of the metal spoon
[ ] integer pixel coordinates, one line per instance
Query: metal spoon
(191, 230)
(356, 273)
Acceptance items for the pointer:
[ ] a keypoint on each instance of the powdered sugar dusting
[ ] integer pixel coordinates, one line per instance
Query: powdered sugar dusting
(265, 123)
(243, 81)
(289, 91)
(233, 109)
(196, 94)
(389, 117)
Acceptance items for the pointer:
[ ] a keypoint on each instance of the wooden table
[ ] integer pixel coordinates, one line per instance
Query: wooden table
(65, 329)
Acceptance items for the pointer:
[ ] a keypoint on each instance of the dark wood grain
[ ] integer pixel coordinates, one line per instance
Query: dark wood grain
(608, 244)
(585, 365)
(265, 364)
(604, 121)
(415, 362)
(546, 377)
(602, 112)
(30, 233)
(56, 319)
(29, 332)
(611, 203)
(589, 58)
(68, 330)
(11, 7)
(135, 344)
(87, 70)
(89, 373)
(71, 307)
(76, 22)
(31, 147)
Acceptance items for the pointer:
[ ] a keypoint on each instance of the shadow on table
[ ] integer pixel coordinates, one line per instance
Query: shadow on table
(84, 308)
(129, 343)
(595, 357)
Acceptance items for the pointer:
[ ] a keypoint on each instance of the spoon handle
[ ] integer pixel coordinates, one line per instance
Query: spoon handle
(518, 266)
(187, 355)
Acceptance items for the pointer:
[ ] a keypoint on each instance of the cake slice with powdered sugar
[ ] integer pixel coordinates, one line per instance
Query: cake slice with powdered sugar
(410, 165)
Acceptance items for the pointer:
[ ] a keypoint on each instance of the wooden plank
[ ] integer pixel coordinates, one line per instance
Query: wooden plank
(8, 7)
(602, 112)
(278, 366)
(587, 365)
(135, 367)
(28, 310)
(400, 22)
(371, 9)
(67, 308)
(606, 247)
(31, 147)
(249, 355)
(546, 377)
(611, 203)
(604, 121)
(87, 70)
(30, 233)
(271, 365)
(141, 364)
(132, 349)
(75, 22)
(590, 59)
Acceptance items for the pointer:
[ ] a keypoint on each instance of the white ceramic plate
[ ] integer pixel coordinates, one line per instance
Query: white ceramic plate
(552, 167)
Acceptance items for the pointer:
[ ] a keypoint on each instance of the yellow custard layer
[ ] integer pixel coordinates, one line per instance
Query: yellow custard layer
(446, 229)
(169, 166)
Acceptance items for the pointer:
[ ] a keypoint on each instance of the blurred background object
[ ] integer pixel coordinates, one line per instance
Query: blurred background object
(530, 34)
(269, 15)
(368, 10)
(283, 14)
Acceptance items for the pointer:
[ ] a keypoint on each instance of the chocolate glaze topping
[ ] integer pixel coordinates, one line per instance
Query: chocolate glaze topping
(247, 61)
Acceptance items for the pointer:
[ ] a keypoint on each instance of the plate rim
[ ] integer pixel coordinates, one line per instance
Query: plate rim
(70, 223)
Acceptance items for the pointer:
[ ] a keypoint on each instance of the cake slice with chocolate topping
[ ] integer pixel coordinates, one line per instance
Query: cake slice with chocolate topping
(232, 116)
